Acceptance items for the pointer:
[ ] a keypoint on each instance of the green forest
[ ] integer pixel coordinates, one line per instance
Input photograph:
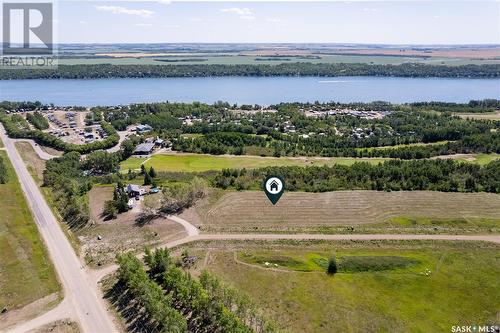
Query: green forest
(285, 69)
(174, 301)
(393, 175)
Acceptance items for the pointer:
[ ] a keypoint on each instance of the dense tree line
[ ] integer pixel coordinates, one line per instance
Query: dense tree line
(4, 177)
(15, 131)
(206, 303)
(69, 186)
(161, 316)
(37, 120)
(26, 106)
(286, 69)
(394, 175)
(219, 143)
(473, 106)
(214, 143)
(476, 143)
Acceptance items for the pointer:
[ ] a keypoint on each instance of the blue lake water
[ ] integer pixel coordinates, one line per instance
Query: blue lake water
(248, 90)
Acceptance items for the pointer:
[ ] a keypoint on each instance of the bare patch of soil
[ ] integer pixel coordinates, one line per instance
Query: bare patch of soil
(52, 151)
(60, 326)
(123, 233)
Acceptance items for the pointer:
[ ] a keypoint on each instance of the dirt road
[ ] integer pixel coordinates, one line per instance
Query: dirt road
(193, 236)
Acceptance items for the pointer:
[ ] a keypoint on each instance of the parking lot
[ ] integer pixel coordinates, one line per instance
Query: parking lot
(70, 127)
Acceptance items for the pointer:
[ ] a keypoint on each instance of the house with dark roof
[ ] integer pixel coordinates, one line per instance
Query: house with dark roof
(134, 190)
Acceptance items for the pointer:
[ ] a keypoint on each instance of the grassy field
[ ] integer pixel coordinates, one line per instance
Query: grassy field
(26, 273)
(36, 166)
(383, 288)
(486, 158)
(350, 211)
(480, 159)
(249, 60)
(487, 116)
(405, 145)
(201, 163)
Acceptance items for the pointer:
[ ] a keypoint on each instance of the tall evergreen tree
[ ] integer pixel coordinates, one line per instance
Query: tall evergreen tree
(152, 172)
(147, 179)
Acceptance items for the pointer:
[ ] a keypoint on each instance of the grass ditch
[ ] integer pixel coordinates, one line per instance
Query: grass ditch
(311, 262)
(26, 272)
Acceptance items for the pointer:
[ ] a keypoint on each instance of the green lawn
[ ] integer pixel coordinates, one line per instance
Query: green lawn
(480, 159)
(405, 145)
(201, 163)
(486, 158)
(26, 273)
(384, 286)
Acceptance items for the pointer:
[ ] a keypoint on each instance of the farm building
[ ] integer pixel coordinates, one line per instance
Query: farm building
(144, 149)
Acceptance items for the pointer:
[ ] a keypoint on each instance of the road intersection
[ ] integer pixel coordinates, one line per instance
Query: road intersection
(83, 300)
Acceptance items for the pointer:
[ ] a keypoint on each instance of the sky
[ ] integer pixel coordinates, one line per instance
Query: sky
(388, 22)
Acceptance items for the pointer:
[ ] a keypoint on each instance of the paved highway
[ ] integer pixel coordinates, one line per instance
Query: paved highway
(81, 295)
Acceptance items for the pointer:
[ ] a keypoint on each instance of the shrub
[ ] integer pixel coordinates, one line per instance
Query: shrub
(332, 265)
(3, 171)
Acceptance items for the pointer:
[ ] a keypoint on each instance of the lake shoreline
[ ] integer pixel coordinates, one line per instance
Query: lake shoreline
(248, 90)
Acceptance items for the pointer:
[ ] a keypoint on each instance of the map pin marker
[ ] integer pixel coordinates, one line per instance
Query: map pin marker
(274, 187)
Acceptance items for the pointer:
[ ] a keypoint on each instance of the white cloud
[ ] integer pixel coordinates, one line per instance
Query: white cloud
(369, 9)
(163, 2)
(243, 13)
(83, 22)
(275, 20)
(195, 19)
(123, 10)
(143, 25)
